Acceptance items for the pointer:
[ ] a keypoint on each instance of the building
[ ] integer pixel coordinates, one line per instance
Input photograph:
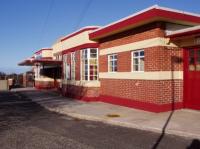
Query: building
(80, 64)
(142, 66)
(149, 60)
(47, 70)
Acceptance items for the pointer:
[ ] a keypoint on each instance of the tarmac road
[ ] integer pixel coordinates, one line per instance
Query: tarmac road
(26, 125)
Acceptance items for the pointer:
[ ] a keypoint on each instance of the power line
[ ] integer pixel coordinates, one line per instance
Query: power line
(82, 15)
(46, 20)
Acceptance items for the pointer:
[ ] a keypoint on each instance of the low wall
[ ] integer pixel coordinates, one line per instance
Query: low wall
(3, 85)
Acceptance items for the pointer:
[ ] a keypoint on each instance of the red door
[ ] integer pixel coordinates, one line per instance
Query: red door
(192, 78)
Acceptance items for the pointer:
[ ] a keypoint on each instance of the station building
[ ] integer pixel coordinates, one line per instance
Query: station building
(149, 60)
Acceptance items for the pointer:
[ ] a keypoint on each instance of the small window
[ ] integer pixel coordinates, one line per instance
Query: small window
(112, 63)
(138, 60)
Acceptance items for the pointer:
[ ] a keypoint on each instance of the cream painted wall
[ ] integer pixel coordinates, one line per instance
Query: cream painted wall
(138, 45)
(156, 75)
(57, 47)
(82, 83)
(47, 53)
(71, 42)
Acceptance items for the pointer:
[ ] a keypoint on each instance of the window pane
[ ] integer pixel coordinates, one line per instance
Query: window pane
(111, 57)
(191, 60)
(141, 61)
(141, 67)
(198, 60)
(135, 68)
(115, 63)
(86, 77)
(136, 54)
(93, 61)
(93, 53)
(115, 68)
(141, 53)
(136, 61)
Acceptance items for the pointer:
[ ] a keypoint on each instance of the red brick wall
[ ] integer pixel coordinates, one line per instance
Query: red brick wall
(163, 59)
(150, 91)
(80, 91)
(149, 31)
(103, 63)
(124, 61)
(156, 59)
(44, 85)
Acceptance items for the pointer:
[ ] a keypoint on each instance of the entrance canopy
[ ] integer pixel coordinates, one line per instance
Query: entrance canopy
(188, 37)
(46, 62)
(185, 32)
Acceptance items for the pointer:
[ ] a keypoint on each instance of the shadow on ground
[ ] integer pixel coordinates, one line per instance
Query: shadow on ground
(26, 124)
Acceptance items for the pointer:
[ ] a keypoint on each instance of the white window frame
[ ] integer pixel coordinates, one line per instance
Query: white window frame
(110, 71)
(139, 61)
(88, 58)
(66, 68)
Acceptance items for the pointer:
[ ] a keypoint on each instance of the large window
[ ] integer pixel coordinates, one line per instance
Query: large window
(73, 65)
(112, 63)
(66, 68)
(89, 64)
(138, 60)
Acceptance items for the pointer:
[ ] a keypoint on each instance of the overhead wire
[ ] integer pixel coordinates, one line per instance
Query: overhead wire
(43, 30)
(82, 14)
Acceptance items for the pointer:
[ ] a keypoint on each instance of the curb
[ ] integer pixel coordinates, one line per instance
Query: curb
(124, 124)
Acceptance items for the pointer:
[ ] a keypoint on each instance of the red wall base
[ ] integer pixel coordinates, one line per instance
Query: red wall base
(141, 105)
(44, 85)
(133, 104)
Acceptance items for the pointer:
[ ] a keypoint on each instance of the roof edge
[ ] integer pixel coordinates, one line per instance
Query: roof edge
(86, 28)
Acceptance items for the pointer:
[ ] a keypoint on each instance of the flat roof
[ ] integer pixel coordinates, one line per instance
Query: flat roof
(43, 49)
(86, 28)
(151, 14)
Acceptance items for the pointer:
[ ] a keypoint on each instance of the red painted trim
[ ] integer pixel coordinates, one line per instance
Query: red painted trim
(78, 32)
(153, 14)
(185, 33)
(140, 105)
(46, 58)
(47, 61)
(131, 103)
(38, 52)
(83, 46)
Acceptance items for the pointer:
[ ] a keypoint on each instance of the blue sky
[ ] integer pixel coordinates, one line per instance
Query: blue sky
(28, 25)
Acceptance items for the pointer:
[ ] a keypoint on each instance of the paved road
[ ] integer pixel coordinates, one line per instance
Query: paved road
(26, 125)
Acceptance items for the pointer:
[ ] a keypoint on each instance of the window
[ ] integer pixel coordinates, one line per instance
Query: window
(58, 57)
(73, 65)
(112, 63)
(66, 68)
(138, 60)
(194, 59)
(89, 64)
